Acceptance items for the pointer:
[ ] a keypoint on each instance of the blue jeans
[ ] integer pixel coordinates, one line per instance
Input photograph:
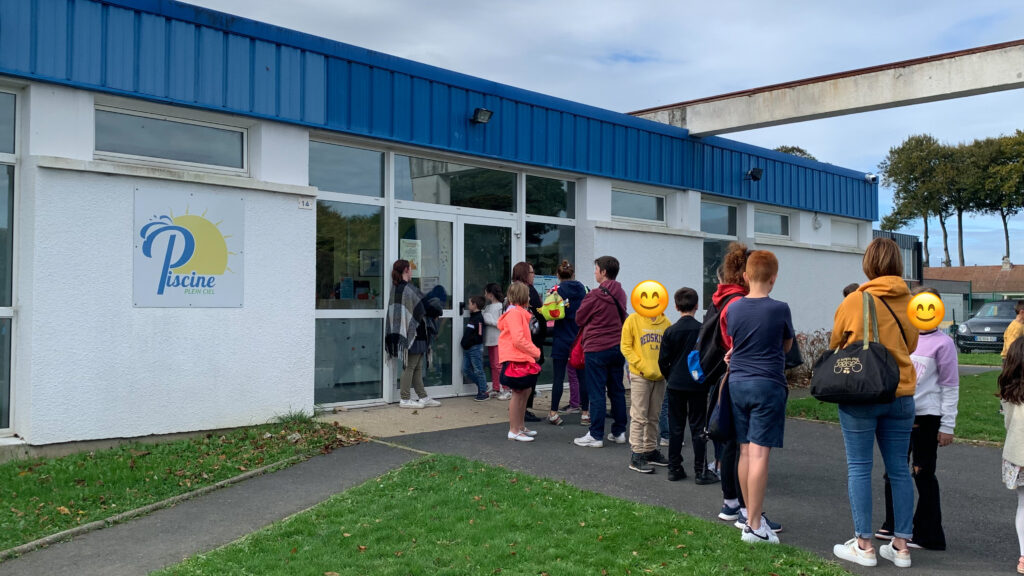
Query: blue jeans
(604, 373)
(891, 425)
(473, 367)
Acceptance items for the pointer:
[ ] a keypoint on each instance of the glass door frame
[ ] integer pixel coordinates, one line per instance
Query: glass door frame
(458, 217)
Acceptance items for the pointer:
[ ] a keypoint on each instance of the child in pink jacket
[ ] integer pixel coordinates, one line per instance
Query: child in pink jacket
(518, 357)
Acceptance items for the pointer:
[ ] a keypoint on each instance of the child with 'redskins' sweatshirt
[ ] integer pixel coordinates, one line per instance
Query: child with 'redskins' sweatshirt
(640, 345)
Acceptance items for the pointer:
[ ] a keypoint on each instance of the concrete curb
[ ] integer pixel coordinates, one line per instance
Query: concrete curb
(124, 516)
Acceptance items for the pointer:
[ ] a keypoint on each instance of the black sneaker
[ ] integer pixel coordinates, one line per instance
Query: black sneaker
(530, 417)
(656, 458)
(704, 477)
(676, 474)
(639, 464)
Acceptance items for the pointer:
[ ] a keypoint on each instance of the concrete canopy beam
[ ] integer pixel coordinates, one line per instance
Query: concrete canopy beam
(946, 76)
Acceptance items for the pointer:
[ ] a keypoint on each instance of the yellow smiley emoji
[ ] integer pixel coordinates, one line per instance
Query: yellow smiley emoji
(649, 298)
(926, 311)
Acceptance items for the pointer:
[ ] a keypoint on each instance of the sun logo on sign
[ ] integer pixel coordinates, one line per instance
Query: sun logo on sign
(200, 258)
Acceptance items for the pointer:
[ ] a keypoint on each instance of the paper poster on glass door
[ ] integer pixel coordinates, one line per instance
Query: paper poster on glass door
(411, 250)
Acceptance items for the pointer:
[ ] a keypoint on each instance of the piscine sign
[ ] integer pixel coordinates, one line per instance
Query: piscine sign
(189, 249)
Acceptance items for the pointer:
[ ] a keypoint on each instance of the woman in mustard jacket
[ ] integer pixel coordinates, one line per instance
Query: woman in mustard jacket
(891, 423)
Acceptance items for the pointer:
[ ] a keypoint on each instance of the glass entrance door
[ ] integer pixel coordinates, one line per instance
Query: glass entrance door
(453, 257)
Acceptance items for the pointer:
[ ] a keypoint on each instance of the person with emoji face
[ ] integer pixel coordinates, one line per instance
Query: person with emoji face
(935, 408)
(641, 343)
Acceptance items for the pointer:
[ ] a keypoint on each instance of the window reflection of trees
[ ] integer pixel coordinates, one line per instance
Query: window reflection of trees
(342, 231)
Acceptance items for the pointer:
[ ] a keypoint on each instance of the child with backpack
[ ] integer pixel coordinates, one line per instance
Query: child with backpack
(761, 330)
(571, 292)
(473, 348)
(687, 398)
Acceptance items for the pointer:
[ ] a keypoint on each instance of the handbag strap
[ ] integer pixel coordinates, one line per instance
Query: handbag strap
(622, 314)
(869, 313)
(898, 323)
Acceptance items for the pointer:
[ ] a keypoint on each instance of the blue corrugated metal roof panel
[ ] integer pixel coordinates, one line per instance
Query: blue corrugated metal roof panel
(178, 53)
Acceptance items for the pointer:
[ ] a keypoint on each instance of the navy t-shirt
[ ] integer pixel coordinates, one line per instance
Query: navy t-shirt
(758, 327)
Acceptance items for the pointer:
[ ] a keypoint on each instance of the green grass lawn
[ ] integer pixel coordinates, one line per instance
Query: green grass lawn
(40, 497)
(978, 415)
(448, 515)
(979, 359)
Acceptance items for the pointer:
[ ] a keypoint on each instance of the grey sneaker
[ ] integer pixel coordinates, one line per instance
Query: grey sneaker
(656, 458)
(638, 463)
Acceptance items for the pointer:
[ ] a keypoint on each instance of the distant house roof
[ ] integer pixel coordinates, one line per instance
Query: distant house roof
(982, 278)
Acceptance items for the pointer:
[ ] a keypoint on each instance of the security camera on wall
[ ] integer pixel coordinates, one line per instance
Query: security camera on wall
(872, 178)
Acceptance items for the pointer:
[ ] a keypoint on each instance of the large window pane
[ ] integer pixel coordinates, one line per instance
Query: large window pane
(714, 255)
(348, 360)
(427, 245)
(7, 122)
(639, 206)
(438, 182)
(717, 219)
(487, 257)
(547, 245)
(179, 141)
(350, 263)
(771, 223)
(6, 233)
(346, 169)
(549, 197)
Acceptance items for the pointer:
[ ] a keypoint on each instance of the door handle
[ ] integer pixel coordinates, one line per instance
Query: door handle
(462, 308)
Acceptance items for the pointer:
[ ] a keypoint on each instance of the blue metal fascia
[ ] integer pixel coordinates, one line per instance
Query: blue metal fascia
(171, 52)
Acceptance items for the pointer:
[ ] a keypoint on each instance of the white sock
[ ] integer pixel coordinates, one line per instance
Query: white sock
(731, 502)
(743, 511)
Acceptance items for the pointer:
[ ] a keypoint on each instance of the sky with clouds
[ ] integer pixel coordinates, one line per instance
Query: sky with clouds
(628, 55)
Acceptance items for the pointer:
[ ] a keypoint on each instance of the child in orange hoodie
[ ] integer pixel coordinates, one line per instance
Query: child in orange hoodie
(518, 356)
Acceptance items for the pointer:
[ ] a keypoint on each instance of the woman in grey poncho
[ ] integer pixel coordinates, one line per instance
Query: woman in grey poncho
(409, 313)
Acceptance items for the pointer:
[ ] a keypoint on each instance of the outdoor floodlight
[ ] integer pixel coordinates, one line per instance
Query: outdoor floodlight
(753, 174)
(481, 116)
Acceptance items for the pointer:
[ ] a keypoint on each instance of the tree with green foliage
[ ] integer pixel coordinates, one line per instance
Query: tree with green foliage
(909, 169)
(1003, 193)
(795, 151)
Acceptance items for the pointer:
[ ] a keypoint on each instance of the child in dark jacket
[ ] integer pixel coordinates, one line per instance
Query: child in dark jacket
(473, 348)
(687, 399)
(563, 336)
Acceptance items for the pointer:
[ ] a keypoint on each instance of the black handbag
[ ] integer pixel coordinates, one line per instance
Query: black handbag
(862, 373)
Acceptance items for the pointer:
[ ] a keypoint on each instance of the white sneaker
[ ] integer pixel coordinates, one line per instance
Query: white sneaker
(620, 439)
(506, 395)
(752, 537)
(427, 402)
(663, 442)
(410, 404)
(901, 558)
(588, 441)
(852, 552)
(527, 431)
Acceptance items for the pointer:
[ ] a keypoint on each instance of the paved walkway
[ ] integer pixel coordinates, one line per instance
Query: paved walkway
(806, 492)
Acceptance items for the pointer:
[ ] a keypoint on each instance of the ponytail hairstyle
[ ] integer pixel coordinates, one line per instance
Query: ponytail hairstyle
(734, 264)
(565, 270)
(494, 289)
(397, 270)
(1011, 379)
